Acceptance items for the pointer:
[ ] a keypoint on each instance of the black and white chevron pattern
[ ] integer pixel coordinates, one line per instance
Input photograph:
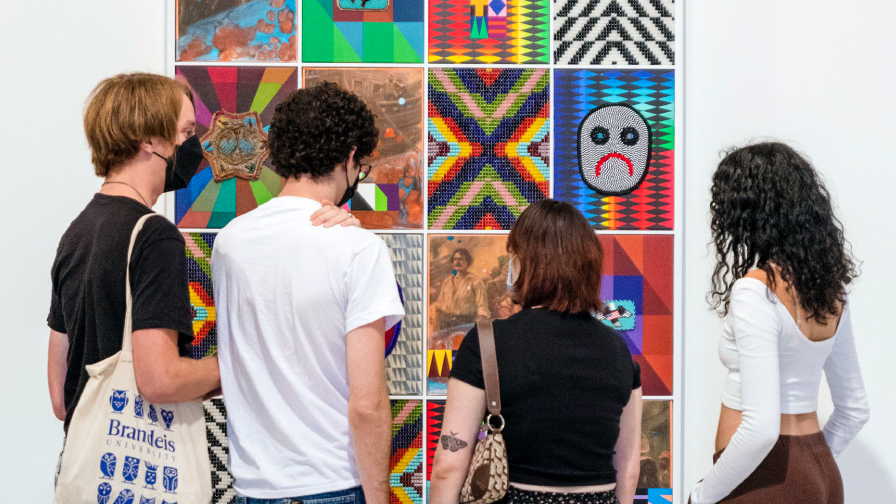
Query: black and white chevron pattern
(218, 448)
(614, 32)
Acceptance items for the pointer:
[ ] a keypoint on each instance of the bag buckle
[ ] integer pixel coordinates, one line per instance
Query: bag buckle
(492, 428)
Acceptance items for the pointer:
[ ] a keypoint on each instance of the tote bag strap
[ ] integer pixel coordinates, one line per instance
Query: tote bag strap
(129, 302)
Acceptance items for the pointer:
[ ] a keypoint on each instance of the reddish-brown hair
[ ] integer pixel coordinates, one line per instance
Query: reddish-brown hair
(559, 259)
(127, 109)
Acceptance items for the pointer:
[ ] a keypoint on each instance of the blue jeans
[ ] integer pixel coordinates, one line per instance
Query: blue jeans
(351, 496)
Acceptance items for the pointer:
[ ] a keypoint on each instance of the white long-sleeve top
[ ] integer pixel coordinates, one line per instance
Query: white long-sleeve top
(774, 369)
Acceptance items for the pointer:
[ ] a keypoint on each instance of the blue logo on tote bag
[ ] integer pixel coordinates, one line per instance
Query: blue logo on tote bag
(107, 465)
(125, 497)
(167, 417)
(138, 407)
(130, 470)
(118, 400)
(103, 492)
(169, 479)
(150, 475)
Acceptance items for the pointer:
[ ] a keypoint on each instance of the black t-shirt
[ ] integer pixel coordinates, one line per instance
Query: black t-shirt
(564, 380)
(88, 300)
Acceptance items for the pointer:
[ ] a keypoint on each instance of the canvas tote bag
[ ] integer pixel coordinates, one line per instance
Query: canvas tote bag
(122, 450)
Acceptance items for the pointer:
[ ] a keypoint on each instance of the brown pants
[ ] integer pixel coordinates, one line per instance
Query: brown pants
(799, 469)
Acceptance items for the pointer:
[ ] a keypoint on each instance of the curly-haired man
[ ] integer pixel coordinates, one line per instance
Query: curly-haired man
(301, 316)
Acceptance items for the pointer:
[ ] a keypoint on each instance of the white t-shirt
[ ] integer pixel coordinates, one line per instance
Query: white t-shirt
(287, 293)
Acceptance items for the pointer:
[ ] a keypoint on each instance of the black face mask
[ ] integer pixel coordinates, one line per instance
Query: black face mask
(182, 165)
(350, 190)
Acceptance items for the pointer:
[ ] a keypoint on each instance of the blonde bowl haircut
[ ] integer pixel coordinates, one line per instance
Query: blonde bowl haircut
(125, 110)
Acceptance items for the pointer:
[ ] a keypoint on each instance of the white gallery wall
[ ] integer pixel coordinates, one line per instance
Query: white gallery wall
(820, 75)
(53, 53)
(814, 73)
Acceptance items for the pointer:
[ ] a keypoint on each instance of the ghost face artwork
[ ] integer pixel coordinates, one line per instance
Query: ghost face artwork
(614, 149)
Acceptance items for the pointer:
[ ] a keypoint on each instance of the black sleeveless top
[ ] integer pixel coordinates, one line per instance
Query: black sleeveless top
(564, 381)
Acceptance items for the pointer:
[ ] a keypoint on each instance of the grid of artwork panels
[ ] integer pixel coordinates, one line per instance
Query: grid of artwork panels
(483, 107)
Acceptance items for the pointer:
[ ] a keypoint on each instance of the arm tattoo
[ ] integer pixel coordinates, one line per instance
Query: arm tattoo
(452, 443)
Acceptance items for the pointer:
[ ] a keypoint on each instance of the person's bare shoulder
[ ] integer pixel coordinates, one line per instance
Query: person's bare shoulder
(758, 274)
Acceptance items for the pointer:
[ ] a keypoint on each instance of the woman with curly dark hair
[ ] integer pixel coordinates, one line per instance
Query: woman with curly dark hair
(780, 280)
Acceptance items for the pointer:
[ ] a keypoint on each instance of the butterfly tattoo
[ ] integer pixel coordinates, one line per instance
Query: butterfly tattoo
(452, 443)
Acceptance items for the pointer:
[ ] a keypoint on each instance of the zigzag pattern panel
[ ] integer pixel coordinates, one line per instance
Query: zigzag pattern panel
(488, 31)
(404, 366)
(345, 31)
(650, 205)
(489, 145)
(199, 278)
(614, 32)
(218, 450)
(435, 415)
(638, 270)
(406, 463)
(206, 203)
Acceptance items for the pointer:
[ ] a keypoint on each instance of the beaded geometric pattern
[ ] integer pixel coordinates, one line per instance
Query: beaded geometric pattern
(218, 450)
(199, 278)
(207, 203)
(614, 32)
(378, 31)
(404, 366)
(235, 146)
(488, 31)
(435, 415)
(638, 273)
(649, 92)
(253, 30)
(391, 196)
(406, 464)
(489, 145)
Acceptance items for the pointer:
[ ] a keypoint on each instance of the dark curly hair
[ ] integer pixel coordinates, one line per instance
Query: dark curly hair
(316, 128)
(770, 208)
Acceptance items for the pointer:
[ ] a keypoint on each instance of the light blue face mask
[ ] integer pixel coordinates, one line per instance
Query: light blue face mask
(510, 279)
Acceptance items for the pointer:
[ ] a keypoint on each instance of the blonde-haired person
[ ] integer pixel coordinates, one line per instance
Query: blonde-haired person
(570, 392)
(134, 124)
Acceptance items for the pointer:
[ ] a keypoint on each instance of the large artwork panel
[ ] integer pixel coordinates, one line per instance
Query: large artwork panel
(488, 31)
(467, 283)
(489, 145)
(362, 31)
(614, 32)
(615, 146)
(391, 197)
(404, 365)
(435, 415)
(236, 30)
(655, 479)
(234, 108)
(218, 451)
(406, 462)
(405, 465)
(637, 290)
(199, 278)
